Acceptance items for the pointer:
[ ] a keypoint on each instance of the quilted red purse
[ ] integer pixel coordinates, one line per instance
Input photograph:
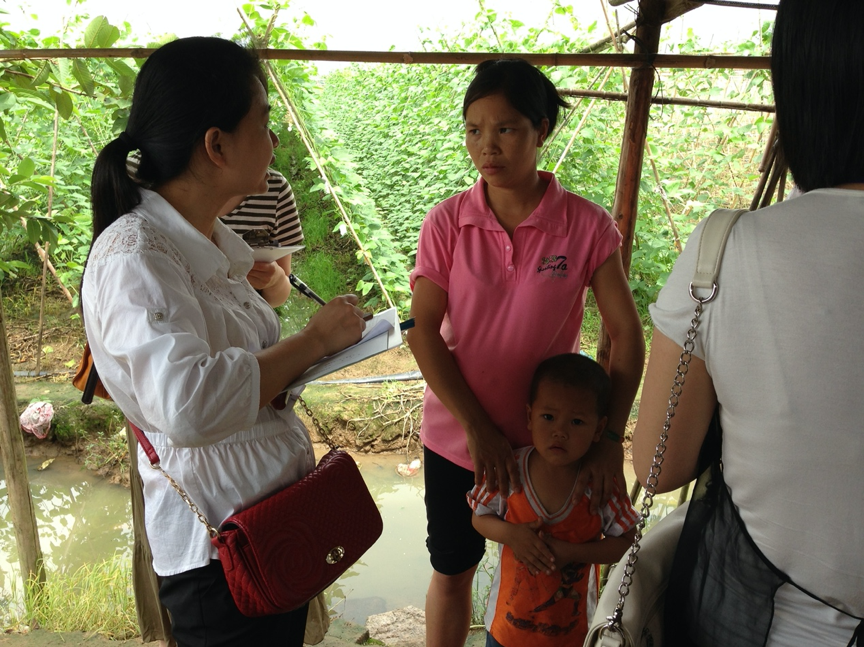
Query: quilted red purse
(283, 551)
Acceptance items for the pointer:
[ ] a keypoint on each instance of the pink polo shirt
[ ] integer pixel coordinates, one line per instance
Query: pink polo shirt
(511, 303)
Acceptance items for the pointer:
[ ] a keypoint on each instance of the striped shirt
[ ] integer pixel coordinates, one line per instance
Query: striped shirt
(274, 212)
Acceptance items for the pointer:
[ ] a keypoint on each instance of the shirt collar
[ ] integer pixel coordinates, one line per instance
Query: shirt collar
(226, 254)
(550, 216)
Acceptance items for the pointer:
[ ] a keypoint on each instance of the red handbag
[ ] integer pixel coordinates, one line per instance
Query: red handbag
(283, 551)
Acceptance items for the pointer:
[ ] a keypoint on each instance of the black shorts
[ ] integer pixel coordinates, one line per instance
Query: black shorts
(203, 613)
(454, 546)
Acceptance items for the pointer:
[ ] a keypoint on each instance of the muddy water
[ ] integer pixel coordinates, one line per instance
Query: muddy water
(84, 519)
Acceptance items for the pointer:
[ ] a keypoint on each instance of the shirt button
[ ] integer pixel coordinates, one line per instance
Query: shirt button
(158, 316)
(264, 344)
(507, 248)
(247, 305)
(510, 268)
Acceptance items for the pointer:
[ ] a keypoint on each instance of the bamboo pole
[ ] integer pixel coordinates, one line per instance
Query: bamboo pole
(15, 471)
(671, 101)
(45, 256)
(295, 118)
(625, 207)
(638, 60)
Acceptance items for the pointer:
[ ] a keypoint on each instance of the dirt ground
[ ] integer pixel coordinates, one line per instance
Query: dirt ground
(39, 638)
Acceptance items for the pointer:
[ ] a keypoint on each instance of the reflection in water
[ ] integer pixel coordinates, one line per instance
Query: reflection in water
(395, 572)
(83, 519)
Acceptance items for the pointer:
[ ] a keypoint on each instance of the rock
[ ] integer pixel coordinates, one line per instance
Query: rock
(400, 628)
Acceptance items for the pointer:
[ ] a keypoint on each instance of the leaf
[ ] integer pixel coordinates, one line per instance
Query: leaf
(63, 101)
(82, 74)
(7, 100)
(26, 167)
(33, 231)
(42, 75)
(100, 33)
(120, 67)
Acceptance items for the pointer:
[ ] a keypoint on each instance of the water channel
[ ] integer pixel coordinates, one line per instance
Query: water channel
(83, 519)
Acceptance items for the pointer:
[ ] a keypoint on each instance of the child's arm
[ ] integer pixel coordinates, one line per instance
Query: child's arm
(522, 538)
(603, 551)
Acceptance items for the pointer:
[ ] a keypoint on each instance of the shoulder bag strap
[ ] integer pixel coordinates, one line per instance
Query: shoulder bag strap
(712, 244)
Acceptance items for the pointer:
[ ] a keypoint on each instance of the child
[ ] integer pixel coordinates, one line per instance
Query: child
(545, 587)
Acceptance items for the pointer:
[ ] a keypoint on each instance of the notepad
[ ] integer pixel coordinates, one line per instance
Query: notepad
(382, 334)
(269, 254)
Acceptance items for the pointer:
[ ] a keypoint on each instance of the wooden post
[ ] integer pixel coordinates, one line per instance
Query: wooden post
(624, 209)
(17, 483)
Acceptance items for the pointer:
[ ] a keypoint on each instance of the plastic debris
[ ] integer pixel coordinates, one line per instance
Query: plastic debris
(409, 469)
(45, 464)
(36, 419)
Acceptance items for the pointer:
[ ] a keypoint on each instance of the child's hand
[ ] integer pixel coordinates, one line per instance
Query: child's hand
(561, 550)
(527, 546)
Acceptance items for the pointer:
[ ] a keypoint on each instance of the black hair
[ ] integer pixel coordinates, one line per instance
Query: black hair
(183, 89)
(524, 86)
(817, 69)
(577, 371)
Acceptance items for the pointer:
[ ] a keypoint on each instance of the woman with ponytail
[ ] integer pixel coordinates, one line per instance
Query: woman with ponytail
(184, 345)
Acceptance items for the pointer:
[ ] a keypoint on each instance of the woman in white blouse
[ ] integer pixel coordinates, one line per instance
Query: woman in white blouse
(184, 345)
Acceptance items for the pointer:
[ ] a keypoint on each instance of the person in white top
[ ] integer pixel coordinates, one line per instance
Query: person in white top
(781, 350)
(184, 345)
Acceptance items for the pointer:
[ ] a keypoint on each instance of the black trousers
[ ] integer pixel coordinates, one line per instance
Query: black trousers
(203, 614)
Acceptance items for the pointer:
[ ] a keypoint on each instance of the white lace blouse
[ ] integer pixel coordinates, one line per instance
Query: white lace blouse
(173, 324)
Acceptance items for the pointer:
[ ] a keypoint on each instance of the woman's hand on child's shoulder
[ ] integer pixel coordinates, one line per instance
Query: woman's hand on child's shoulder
(603, 470)
(528, 547)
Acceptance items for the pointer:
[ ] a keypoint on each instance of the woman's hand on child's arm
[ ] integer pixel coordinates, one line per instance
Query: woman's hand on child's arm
(522, 538)
(490, 451)
(607, 550)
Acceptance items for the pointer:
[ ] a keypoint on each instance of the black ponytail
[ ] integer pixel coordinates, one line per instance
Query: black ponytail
(112, 191)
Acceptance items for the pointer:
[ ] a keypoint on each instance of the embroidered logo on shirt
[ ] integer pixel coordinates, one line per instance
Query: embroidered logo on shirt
(553, 266)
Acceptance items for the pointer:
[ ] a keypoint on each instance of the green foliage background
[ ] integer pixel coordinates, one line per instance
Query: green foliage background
(386, 139)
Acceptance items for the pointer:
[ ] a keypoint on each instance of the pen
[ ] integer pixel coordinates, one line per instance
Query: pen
(305, 290)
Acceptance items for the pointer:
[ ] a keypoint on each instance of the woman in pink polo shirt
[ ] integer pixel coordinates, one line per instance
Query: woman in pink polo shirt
(499, 285)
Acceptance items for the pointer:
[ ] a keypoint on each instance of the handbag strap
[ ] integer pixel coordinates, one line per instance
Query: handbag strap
(153, 457)
(715, 234)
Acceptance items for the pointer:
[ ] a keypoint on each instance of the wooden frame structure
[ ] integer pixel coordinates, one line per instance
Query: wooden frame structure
(644, 62)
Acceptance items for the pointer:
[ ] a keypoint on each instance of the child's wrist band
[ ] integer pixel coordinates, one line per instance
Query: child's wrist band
(611, 435)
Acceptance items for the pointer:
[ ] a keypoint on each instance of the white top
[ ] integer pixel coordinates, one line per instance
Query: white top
(783, 344)
(173, 324)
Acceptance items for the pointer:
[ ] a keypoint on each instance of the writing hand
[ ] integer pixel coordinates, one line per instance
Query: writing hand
(337, 324)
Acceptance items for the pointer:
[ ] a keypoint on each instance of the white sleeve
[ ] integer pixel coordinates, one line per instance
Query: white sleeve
(147, 329)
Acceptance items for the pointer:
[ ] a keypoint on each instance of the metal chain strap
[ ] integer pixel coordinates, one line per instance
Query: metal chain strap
(212, 530)
(317, 423)
(614, 621)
